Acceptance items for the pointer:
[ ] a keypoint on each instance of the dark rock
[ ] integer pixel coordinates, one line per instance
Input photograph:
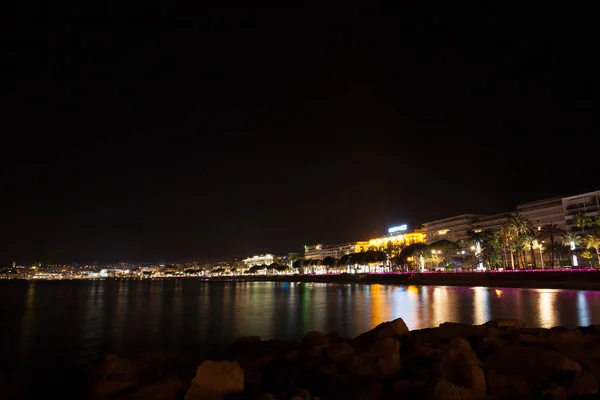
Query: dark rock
(458, 365)
(215, 379)
(421, 368)
(390, 329)
(247, 339)
(316, 338)
(266, 396)
(505, 323)
(589, 330)
(445, 390)
(7, 389)
(384, 356)
(501, 359)
(339, 353)
(326, 368)
(254, 356)
(163, 390)
(453, 329)
(279, 377)
(565, 335)
(119, 375)
(554, 391)
(460, 350)
(301, 394)
(267, 349)
(523, 371)
(358, 366)
(347, 387)
(401, 387)
(585, 353)
(313, 344)
(583, 385)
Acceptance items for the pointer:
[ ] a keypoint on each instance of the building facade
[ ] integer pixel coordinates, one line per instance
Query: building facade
(313, 252)
(544, 212)
(260, 259)
(587, 203)
(489, 222)
(454, 228)
(320, 251)
(403, 239)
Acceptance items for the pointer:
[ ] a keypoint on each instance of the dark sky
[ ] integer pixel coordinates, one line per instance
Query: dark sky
(149, 132)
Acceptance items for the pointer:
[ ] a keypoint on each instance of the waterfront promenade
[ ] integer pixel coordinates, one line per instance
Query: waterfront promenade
(584, 279)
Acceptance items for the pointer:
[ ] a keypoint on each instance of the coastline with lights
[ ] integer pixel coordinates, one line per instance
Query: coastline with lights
(552, 242)
(569, 279)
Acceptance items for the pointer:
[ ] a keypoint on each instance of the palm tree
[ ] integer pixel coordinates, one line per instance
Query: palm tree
(572, 240)
(529, 238)
(330, 263)
(519, 226)
(484, 240)
(553, 233)
(581, 221)
(413, 252)
(593, 242)
(505, 236)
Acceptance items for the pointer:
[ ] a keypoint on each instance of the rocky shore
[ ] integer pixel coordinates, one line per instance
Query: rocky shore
(502, 359)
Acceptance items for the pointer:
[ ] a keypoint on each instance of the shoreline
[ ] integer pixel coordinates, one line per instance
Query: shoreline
(566, 280)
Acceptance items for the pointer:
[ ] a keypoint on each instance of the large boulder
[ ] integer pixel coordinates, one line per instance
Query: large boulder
(313, 344)
(349, 387)
(582, 385)
(384, 356)
(449, 330)
(459, 366)
(118, 374)
(381, 359)
(525, 371)
(390, 329)
(168, 389)
(339, 353)
(214, 379)
(444, 390)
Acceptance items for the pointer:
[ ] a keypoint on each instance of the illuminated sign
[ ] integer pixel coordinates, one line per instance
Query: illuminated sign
(400, 228)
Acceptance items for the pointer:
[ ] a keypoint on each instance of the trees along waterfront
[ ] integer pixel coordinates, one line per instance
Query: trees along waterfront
(516, 245)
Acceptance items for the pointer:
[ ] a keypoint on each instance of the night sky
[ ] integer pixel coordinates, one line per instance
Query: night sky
(156, 133)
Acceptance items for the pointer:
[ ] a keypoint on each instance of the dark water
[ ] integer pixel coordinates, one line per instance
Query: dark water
(50, 325)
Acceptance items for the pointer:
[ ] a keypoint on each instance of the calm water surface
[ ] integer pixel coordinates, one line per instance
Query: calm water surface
(68, 323)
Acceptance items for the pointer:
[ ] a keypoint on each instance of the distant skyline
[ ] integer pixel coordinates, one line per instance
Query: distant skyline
(223, 133)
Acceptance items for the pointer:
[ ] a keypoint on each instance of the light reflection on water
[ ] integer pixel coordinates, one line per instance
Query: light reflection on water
(76, 322)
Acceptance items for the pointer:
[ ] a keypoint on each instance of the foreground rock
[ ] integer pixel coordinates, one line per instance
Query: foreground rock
(502, 359)
(215, 379)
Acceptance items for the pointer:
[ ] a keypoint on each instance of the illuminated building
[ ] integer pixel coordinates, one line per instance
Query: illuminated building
(490, 222)
(266, 259)
(587, 203)
(402, 239)
(320, 251)
(340, 250)
(544, 212)
(454, 228)
(313, 252)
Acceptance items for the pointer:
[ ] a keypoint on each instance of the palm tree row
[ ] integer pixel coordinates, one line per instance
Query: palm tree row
(508, 247)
